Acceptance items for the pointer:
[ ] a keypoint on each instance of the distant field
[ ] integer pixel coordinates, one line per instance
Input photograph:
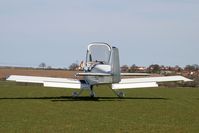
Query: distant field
(35, 109)
(4, 72)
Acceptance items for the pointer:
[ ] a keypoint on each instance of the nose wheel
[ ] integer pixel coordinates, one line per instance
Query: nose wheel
(92, 93)
(75, 94)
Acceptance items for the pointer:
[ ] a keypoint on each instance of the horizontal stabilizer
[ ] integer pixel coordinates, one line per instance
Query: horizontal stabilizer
(50, 82)
(93, 74)
(135, 74)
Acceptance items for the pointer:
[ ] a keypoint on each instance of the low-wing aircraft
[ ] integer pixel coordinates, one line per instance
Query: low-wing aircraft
(102, 66)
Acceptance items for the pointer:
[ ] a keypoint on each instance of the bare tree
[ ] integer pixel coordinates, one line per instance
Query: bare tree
(42, 65)
(73, 66)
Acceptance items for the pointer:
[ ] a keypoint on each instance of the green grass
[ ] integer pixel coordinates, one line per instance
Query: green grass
(35, 109)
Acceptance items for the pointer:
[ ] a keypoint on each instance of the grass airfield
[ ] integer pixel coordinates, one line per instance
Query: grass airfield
(35, 109)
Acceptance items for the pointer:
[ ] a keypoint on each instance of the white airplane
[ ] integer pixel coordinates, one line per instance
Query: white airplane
(102, 66)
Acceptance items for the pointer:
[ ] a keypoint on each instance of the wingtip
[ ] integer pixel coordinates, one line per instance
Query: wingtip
(188, 80)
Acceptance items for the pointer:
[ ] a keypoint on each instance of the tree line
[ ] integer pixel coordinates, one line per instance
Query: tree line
(155, 68)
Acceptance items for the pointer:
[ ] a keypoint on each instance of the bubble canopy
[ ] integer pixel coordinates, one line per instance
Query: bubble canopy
(98, 52)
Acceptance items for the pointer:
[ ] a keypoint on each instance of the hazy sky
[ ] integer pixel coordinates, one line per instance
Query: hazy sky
(57, 32)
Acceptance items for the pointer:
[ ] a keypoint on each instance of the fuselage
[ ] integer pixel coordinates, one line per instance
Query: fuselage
(99, 68)
(101, 58)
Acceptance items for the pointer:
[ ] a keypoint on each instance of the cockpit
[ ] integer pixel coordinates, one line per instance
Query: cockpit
(98, 53)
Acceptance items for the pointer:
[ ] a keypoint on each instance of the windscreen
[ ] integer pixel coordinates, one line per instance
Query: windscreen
(99, 53)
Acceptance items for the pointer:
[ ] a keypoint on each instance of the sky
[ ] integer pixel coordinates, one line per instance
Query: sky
(164, 32)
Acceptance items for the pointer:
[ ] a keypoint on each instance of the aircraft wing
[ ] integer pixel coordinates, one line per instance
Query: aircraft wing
(146, 82)
(50, 82)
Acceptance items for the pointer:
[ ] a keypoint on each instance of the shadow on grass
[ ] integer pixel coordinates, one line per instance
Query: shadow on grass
(82, 98)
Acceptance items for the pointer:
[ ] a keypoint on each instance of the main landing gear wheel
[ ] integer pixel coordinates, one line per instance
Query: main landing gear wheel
(121, 94)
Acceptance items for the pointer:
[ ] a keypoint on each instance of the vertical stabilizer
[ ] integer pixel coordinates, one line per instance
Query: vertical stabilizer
(115, 65)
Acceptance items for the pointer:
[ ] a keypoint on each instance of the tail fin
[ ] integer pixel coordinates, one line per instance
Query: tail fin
(115, 65)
